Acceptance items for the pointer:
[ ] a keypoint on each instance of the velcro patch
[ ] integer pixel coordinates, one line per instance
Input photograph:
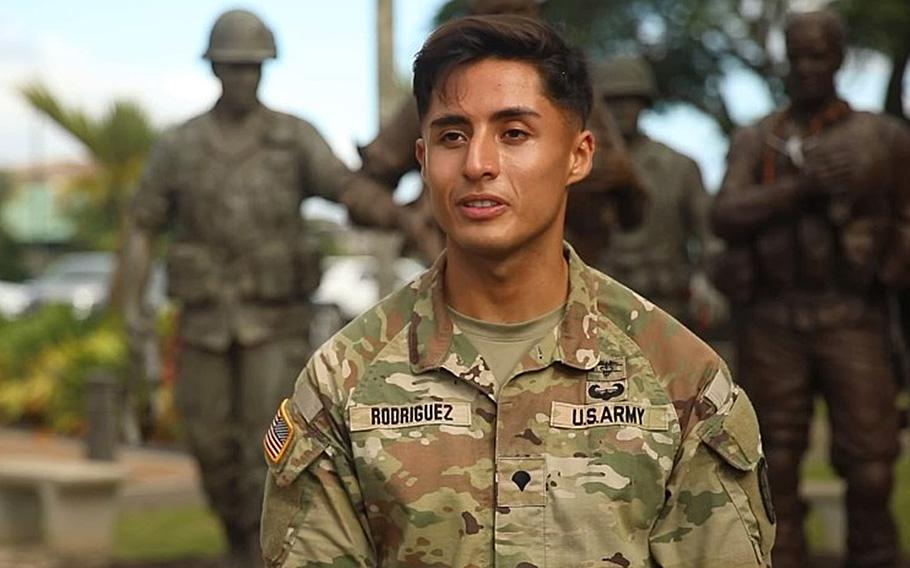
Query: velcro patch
(719, 391)
(580, 416)
(407, 415)
(279, 435)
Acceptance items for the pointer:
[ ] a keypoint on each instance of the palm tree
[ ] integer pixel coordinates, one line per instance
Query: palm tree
(118, 143)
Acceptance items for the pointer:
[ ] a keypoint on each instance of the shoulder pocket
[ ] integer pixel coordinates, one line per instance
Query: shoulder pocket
(734, 435)
(735, 438)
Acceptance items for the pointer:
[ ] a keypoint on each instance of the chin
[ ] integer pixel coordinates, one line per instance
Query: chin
(484, 245)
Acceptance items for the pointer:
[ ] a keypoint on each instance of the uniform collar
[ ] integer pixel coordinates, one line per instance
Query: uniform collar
(258, 124)
(434, 342)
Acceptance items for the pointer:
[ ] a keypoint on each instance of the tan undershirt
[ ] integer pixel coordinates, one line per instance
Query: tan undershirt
(502, 345)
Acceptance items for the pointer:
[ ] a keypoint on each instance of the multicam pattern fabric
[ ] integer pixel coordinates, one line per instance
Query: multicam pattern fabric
(540, 475)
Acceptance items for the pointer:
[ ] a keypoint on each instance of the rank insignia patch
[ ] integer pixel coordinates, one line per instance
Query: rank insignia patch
(279, 435)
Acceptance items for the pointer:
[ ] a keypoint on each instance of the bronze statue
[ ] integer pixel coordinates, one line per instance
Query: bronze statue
(611, 196)
(228, 185)
(816, 209)
(661, 259)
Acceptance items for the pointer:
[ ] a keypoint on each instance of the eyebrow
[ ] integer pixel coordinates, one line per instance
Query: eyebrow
(503, 114)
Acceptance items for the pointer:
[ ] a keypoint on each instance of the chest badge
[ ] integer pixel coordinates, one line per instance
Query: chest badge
(613, 369)
(606, 391)
(607, 381)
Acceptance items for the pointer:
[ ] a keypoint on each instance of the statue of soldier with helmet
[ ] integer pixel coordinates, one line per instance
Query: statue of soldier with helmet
(227, 186)
(663, 258)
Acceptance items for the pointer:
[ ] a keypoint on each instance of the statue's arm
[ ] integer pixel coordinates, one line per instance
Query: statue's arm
(150, 210)
(390, 155)
(137, 266)
(367, 202)
(896, 265)
(744, 205)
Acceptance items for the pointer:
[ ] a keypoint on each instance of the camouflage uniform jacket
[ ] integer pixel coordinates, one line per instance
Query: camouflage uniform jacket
(656, 258)
(620, 440)
(239, 263)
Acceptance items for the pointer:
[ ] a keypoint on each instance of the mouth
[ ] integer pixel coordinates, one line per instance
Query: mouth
(481, 207)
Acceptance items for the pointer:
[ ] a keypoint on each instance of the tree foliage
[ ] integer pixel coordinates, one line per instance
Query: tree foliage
(883, 26)
(11, 265)
(694, 44)
(117, 143)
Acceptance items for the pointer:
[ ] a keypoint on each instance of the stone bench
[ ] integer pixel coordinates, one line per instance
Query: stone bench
(68, 507)
(826, 501)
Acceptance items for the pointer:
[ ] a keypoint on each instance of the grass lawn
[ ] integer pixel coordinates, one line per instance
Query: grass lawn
(166, 534)
(900, 501)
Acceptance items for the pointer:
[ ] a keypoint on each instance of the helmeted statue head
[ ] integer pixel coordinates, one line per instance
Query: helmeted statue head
(239, 36)
(627, 76)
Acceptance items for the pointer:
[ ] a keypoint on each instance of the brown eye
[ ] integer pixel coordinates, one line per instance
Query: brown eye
(514, 135)
(451, 137)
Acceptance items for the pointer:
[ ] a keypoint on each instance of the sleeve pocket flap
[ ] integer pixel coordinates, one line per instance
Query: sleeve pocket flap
(303, 451)
(734, 435)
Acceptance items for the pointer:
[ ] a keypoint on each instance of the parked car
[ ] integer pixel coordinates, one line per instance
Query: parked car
(348, 287)
(15, 299)
(82, 280)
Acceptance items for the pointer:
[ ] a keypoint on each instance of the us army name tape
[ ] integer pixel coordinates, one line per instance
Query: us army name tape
(579, 416)
(407, 415)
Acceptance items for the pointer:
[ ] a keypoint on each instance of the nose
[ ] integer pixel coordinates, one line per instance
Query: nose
(482, 158)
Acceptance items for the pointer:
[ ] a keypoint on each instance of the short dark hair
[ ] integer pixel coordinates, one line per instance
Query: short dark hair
(562, 68)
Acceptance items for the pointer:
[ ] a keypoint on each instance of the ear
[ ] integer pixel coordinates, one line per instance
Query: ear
(420, 151)
(582, 157)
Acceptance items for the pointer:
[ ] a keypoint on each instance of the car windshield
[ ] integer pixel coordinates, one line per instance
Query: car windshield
(79, 269)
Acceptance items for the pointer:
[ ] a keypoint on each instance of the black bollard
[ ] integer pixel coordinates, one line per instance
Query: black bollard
(101, 403)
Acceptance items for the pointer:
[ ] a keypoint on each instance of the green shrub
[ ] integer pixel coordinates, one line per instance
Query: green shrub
(45, 359)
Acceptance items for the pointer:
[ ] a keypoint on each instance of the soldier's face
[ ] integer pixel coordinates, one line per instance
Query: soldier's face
(814, 60)
(497, 155)
(625, 111)
(239, 84)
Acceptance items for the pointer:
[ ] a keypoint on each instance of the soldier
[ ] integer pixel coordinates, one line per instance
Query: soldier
(230, 183)
(662, 258)
(512, 406)
(611, 196)
(816, 208)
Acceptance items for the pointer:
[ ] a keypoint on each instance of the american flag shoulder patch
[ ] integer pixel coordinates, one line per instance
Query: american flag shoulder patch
(279, 435)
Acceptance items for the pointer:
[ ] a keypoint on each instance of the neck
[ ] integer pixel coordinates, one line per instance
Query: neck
(806, 110)
(517, 288)
(235, 114)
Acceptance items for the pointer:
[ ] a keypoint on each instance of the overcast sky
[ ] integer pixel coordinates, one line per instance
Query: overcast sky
(92, 52)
